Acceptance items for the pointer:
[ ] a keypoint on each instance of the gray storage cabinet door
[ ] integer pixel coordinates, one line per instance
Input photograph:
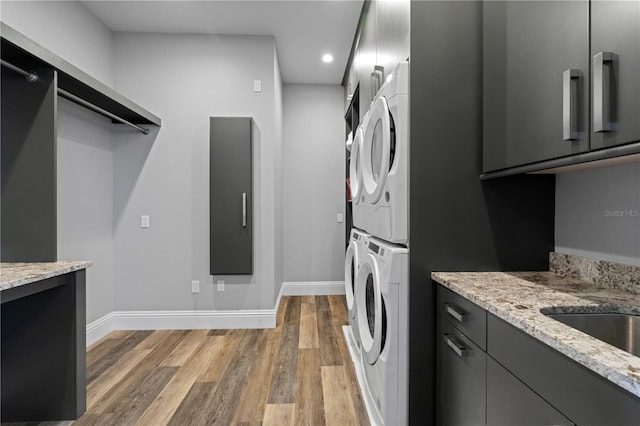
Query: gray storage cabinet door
(231, 195)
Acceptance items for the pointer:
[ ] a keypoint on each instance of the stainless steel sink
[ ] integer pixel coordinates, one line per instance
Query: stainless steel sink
(619, 330)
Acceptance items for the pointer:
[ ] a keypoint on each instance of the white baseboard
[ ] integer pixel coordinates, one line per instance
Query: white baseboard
(192, 320)
(313, 288)
(99, 328)
(181, 320)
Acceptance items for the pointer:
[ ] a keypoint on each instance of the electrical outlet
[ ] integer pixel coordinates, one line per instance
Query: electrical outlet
(144, 221)
(195, 286)
(220, 285)
(340, 218)
(257, 85)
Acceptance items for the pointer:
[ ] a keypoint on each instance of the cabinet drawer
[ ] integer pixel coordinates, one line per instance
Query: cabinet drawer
(581, 395)
(511, 402)
(462, 370)
(466, 316)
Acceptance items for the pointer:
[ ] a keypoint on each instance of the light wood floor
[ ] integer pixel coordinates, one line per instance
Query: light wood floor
(298, 373)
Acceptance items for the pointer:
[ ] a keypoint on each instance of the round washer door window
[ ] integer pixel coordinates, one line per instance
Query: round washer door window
(350, 273)
(355, 166)
(376, 149)
(369, 309)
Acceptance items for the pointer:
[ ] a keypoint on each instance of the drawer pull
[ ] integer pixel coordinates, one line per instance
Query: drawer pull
(455, 313)
(460, 350)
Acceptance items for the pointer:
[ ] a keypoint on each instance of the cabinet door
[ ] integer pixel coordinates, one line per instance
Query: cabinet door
(615, 29)
(393, 34)
(461, 378)
(230, 198)
(367, 56)
(527, 47)
(511, 402)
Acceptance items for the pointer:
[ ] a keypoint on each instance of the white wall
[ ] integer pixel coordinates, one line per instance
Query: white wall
(185, 79)
(68, 29)
(85, 150)
(314, 182)
(598, 213)
(85, 200)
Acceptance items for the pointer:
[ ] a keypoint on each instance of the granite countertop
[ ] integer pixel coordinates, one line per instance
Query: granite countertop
(519, 297)
(17, 274)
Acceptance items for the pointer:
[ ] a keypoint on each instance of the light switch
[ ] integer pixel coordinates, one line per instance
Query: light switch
(144, 221)
(340, 218)
(220, 285)
(257, 85)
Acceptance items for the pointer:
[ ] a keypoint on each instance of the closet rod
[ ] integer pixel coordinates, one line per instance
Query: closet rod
(74, 98)
(30, 76)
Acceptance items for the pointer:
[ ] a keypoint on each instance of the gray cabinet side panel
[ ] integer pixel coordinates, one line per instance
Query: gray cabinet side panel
(230, 173)
(28, 152)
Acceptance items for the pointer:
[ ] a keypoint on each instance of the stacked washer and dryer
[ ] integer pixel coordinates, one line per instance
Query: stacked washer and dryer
(377, 259)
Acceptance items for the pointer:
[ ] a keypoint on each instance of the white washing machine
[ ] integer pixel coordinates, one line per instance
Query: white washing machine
(356, 251)
(355, 175)
(382, 310)
(385, 160)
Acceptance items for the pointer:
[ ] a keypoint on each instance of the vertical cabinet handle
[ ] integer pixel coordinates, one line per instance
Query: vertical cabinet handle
(377, 77)
(460, 350)
(244, 209)
(570, 104)
(454, 313)
(602, 67)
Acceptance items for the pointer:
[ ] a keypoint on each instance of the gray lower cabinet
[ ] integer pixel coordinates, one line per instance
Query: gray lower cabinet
(527, 47)
(231, 195)
(510, 402)
(518, 380)
(462, 378)
(615, 79)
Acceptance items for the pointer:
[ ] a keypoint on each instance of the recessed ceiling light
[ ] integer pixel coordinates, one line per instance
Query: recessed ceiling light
(326, 58)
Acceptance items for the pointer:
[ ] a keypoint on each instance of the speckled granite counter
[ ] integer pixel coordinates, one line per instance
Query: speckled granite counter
(519, 297)
(17, 274)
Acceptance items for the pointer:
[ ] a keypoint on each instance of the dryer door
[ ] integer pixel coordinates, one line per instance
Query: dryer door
(350, 273)
(370, 309)
(378, 149)
(355, 166)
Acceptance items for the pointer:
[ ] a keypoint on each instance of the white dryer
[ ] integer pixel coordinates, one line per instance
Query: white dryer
(356, 251)
(385, 160)
(355, 175)
(382, 310)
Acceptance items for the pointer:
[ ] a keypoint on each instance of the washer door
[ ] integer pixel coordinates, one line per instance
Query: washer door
(370, 309)
(350, 273)
(377, 149)
(355, 166)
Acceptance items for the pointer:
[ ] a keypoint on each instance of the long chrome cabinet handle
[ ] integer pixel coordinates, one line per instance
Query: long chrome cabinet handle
(455, 313)
(460, 350)
(244, 209)
(602, 67)
(570, 107)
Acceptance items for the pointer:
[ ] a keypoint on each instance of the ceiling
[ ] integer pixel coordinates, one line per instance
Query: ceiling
(304, 30)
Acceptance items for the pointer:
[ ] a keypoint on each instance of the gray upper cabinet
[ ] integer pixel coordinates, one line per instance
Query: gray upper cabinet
(367, 57)
(383, 42)
(535, 79)
(393, 34)
(615, 53)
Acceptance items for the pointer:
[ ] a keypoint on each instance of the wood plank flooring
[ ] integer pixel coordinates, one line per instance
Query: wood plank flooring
(299, 373)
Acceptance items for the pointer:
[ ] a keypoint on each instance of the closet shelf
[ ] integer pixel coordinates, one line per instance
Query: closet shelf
(29, 55)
